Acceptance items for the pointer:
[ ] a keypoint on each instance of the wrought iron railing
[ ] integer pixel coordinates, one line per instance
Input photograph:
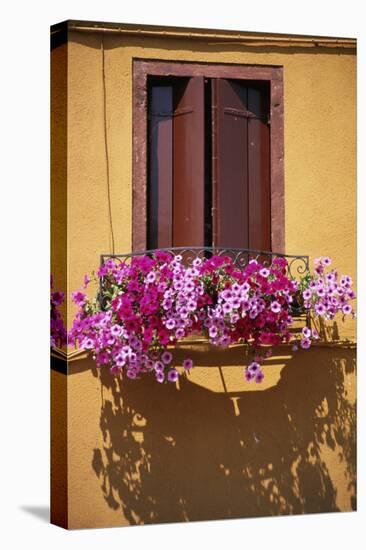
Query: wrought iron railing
(297, 265)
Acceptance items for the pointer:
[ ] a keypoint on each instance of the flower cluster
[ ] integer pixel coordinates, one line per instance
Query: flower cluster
(153, 301)
(58, 330)
(326, 294)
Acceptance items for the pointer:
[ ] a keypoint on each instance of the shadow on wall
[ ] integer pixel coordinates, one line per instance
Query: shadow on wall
(183, 454)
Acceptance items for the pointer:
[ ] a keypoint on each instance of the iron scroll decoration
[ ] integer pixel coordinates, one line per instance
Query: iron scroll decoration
(296, 264)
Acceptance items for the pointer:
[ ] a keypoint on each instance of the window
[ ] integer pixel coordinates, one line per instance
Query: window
(210, 139)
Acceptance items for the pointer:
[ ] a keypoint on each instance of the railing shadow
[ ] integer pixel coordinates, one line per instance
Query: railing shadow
(182, 454)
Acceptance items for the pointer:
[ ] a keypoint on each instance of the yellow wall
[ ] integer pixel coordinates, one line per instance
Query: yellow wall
(191, 453)
(320, 143)
(215, 447)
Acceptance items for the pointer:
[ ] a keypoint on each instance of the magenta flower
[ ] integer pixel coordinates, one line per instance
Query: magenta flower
(264, 272)
(259, 377)
(178, 285)
(276, 307)
(307, 294)
(305, 343)
(119, 361)
(254, 372)
(183, 312)
(159, 366)
(116, 330)
(115, 370)
(102, 358)
(180, 333)
(57, 327)
(347, 309)
(160, 377)
(170, 324)
(227, 294)
(86, 281)
(57, 298)
(187, 364)
(254, 366)
(133, 286)
(166, 357)
(167, 304)
(79, 298)
(173, 375)
(234, 318)
(131, 373)
(189, 286)
(150, 277)
(320, 308)
(88, 343)
(249, 376)
(227, 307)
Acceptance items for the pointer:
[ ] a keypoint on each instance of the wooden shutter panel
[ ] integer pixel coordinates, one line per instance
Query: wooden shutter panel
(160, 150)
(230, 160)
(241, 185)
(188, 163)
(259, 168)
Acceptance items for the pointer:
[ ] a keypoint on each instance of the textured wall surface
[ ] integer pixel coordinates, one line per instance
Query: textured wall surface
(320, 143)
(215, 447)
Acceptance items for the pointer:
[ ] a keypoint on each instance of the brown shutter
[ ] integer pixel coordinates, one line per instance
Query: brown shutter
(241, 207)
(188, 163)
(230, 161)
(159, 231)
(259, 167)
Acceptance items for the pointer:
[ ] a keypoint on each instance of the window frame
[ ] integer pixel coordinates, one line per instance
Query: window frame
(141, 70)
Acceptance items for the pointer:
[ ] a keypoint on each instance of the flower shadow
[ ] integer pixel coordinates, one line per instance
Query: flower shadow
(182, 454)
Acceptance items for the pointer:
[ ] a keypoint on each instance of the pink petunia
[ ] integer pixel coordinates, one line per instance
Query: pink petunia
(320, 308)
(305, 343)
(347, 309)
(187, 364)
(259, 377)
(79, 298)
(166, 357)
(275, 307)
(160, 377)
(173, 375)
(180, 333)
(307, 294)
(150, 277)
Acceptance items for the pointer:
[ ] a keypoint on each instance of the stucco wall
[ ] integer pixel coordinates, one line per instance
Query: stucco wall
(214, 447)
